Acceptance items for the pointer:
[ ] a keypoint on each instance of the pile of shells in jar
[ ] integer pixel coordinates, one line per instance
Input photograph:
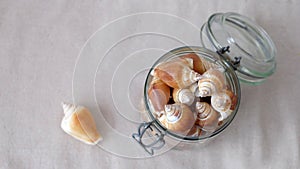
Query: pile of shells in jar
(190, 95)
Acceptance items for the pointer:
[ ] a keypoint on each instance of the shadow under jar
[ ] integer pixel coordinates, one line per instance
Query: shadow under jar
(239, 48)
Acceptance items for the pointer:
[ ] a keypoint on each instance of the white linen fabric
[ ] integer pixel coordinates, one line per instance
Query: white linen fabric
(39, 44)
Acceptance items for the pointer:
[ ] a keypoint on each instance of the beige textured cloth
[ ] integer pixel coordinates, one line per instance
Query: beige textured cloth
(39, 44)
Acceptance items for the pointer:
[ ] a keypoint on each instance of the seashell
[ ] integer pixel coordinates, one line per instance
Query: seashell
(210, 65)
(195, 89)
(207, 117)
(178, 118)
(213, 81)
(183, 96)
(224, 115)
(201, 65)
(221, 122)
(176, 74)
(159, 94)
(221, 102)
(79, 123)
(224, 103)
(198, 65)
(195, 131)
(187, 61)
(233, 98)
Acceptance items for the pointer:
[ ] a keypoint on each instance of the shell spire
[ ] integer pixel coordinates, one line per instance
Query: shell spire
(68, 108)
(213, 81)
(224, 102)
(207, 117)
(79, 123)
(178, 118)
(183, 96)
(221, 102)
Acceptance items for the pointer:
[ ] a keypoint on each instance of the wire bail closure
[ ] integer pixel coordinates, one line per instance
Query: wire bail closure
(159, 141)
(233, 63)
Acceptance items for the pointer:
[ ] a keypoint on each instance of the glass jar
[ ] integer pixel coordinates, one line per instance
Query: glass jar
(246, 40)
(237, 44)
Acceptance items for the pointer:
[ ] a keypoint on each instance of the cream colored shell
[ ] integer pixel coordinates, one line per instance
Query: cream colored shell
(195, 89)
(224, 102)
(183, 96)
(212, 81)
(221, 102)
(79, 123)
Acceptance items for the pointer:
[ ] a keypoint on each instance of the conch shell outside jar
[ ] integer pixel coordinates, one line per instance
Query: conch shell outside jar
(79, 123)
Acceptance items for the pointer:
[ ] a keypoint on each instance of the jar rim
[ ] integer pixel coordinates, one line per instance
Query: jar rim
(246, 39)
(207, 54)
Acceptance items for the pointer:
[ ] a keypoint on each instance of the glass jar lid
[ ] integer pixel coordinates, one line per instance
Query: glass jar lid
(246, 40)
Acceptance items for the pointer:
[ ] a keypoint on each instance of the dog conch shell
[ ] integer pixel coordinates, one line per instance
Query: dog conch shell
(79, 123)
(159, 94)
(176, 74)
(198, 65)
